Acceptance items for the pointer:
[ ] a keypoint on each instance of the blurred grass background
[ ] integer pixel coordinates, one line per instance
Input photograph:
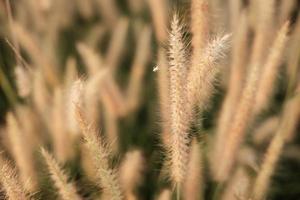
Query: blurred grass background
(142, 128)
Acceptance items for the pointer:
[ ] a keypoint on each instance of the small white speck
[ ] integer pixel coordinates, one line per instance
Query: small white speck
(155, 69)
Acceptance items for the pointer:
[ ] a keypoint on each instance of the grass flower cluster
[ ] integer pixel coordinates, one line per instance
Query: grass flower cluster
(149, 99)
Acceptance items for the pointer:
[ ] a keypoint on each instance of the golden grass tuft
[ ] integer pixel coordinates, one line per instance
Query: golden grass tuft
(179, 146)
(108, 178)
(22, 153)
(66, 189)
(83, 65)
(202, 75)
(10, 184)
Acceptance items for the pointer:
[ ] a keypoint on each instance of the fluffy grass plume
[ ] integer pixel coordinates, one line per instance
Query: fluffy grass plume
(10, 184)
(22, 152)
(107, 177)
(179, 147)
(185, 112)
(202, 75)
(67, 190)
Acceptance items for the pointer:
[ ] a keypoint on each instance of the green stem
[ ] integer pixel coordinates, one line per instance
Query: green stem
(178, 192)
(218, 191)
(7, 88)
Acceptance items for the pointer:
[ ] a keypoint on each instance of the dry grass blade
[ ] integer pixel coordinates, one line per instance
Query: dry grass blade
(235, 10)
(61, 137)
(270, 69)
(75, 97)
(286, 127)
(163, 89)
(193, 186)
(85, 8)
(236, 82)
(23, 81)
(109, 11)
(265, 131)
(293, 57)
(237, 130)
(92, 60)
(165, 195)
(263, 28)
(200, 26)
(272, 156)
(286, 8)
(139, 65)
(29, 43)
(159, 10)
(117, 44)
(239, 185)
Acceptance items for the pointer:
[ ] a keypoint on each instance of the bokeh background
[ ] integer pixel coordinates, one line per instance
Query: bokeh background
(60, 25)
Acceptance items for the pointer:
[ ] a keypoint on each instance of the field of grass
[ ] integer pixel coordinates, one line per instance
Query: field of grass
(150, 99)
